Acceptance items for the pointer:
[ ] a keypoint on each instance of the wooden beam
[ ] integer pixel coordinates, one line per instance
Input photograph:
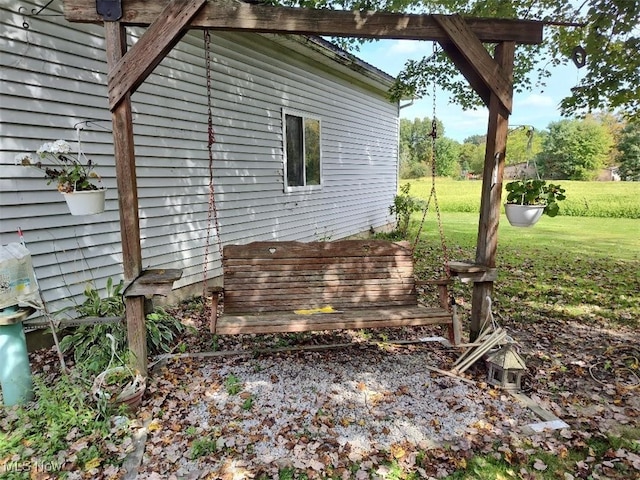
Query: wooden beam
(474, 62)
(239, 16)
(136, 65)
(121, 117)
(487, 243)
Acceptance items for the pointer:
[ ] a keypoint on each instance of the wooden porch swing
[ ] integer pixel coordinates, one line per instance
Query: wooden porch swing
(275, 287)
(461, 38)
(283, 287)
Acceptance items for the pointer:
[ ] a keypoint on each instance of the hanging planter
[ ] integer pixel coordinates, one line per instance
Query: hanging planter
(121, 386)
(528, 200)
(523, 215)
(73, 173)
(86, 202)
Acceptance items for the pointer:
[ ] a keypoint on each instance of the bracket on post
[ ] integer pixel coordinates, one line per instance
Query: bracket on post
(111, 10)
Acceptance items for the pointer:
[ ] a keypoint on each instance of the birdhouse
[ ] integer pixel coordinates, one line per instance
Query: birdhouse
(506, 367)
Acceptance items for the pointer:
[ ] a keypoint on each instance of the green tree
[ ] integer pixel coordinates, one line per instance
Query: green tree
(421, 139)
(447, 157)
(629, 148)
(415, 146)
(405, 135)
(523, 144)
(471, 157)
(614, 125)
(606, 29)
(575, 149)
(476, 139)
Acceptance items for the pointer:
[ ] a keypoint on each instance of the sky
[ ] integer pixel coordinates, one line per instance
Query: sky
(536, 107)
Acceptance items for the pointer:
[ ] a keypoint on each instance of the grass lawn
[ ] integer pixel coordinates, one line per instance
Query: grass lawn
(589, 237)
(587, 199)
(578, 268)
(575, 268)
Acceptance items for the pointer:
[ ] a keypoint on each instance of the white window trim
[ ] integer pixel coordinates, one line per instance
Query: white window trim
(300, 188)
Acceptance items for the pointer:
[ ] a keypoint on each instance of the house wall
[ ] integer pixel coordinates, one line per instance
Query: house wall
(54, 76)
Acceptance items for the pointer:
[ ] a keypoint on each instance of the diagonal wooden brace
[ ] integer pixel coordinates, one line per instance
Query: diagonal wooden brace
(485, 74)
(136, 65)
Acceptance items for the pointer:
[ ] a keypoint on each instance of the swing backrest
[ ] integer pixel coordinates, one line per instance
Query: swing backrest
(345, 274)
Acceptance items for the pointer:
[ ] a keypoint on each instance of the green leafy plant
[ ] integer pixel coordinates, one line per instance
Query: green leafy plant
(111, 305)
(248, 403)
(63, 414)
(403, 206)
(232, 385)
(89, 343)
(536, 192)
(162, 330)
(202, 446)
(71, 172)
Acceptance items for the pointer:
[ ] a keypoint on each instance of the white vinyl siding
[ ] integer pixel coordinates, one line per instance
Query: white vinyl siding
(54, 76)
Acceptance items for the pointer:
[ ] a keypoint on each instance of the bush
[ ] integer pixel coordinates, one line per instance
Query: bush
(162, 330)
(413, 170)
(403, 206)
(89, 343)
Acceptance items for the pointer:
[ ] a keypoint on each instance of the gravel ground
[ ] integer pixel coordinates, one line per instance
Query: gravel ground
(313, 411)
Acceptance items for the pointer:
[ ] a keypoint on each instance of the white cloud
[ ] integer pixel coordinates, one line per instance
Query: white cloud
(408, 47)
(537, 100)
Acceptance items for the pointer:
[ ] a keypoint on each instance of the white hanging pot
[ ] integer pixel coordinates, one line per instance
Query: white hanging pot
(523, 215)
(86, 202)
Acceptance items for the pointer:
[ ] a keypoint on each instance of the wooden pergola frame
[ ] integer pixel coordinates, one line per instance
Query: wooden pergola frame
(461, 38)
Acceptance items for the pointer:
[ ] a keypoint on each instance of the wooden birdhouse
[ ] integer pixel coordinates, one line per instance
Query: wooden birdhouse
(505, 369)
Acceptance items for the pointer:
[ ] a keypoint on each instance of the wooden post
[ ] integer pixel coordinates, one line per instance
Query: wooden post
(487, 244)
(116, 44)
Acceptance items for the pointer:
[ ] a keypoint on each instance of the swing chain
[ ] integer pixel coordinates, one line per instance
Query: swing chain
(434, 127)
(212, 211)
(434, 136)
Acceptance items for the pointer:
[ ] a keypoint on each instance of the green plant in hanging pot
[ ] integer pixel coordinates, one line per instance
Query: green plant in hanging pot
(528, 200)
(74, 175)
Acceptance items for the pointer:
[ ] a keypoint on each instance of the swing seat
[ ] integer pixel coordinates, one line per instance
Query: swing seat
(275, 287)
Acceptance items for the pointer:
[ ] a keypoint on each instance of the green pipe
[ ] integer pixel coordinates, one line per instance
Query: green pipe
(15, 371)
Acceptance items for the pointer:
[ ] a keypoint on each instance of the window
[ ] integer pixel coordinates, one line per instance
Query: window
(302, 151)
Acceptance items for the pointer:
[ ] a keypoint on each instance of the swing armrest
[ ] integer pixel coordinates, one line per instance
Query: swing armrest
(215, 291)
(443, 291)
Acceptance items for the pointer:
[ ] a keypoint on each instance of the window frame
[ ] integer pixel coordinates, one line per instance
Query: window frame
(305, 116)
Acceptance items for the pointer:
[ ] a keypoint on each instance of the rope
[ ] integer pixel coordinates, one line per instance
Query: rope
(212, 211)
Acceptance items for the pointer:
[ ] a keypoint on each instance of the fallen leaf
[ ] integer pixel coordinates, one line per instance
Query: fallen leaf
(93, 463)
(154, 426)
(397, 451)
(540, 465)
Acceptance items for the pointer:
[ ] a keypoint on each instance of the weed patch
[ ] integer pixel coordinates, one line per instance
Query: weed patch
(62, 430)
